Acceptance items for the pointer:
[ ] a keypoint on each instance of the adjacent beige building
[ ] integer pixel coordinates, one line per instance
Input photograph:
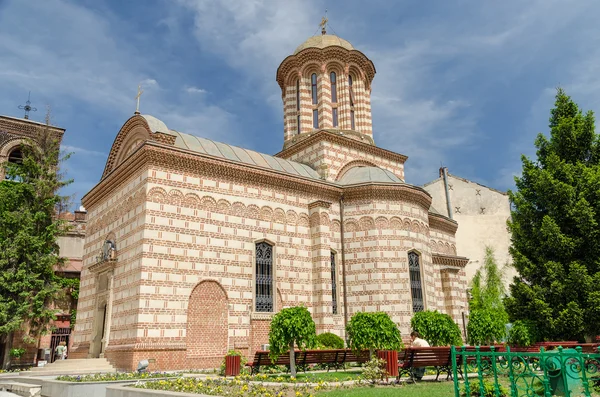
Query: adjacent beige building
(481, 213)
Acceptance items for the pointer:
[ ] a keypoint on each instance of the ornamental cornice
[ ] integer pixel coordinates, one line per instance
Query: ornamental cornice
(391, 191)
(102, 266)
(449, 260)
(323, 56)
(442, 223)
(325, 135)
(134, 121)
(319, 204)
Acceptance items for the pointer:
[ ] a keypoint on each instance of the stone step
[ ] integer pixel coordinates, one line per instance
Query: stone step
(73, 367)
(22, 389)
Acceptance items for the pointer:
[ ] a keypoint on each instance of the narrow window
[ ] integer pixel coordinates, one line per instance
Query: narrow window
(416, 287)
(333, 285)
(297, 94)
(335, 117)
(298, 124)
(351, 90)
(333, 87)
(315, 118)
(313, 80)
(264, 277)
(352, 119)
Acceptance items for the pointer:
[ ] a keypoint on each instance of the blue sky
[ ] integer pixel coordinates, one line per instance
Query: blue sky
(461, 82)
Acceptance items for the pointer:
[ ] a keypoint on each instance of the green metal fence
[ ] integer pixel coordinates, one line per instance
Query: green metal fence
(562, 372)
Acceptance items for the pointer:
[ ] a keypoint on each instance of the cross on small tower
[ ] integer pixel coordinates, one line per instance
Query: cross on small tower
(137, 98)
(323, 23)
(27, 107)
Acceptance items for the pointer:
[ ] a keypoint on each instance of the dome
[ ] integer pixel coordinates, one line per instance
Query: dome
(368, 175)
(322, 41)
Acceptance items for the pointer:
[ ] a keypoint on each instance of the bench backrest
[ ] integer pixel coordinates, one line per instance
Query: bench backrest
(332, 356)
(429, 356)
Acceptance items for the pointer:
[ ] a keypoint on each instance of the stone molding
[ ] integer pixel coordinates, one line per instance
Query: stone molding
(442, 223)
(325, 135)
(449, 260)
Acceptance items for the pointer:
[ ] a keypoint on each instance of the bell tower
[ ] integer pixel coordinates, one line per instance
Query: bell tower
(326, 85)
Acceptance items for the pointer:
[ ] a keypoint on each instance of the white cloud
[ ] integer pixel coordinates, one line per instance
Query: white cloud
(77, 150)
(195, 90)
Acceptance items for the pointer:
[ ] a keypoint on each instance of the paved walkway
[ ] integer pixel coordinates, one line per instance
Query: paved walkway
(7, 394)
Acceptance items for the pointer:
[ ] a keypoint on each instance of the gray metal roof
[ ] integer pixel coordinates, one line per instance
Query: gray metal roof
(368, 174)
(234, 153)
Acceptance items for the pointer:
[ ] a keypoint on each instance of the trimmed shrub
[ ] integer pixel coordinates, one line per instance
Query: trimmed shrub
(436, 328)
(486, 326)
(519, 334)
(373, 331)
(330, 340)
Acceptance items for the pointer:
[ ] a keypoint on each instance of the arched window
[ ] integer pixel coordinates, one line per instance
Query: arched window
(313, 80)
(298, 106)
(334, 110)
(352, 124)
(264, 277)
(333, 87)
(416, 286)
(333, 284)
(16, 156)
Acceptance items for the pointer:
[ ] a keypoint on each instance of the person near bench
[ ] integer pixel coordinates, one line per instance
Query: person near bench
(416, 341)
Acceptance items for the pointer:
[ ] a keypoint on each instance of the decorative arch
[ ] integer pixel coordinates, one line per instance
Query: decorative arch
(353, 164)
(136, 129)
(207, 320)
(223, 206)
(11, 145)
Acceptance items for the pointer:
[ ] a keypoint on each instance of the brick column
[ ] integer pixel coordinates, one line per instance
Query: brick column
(321, 261)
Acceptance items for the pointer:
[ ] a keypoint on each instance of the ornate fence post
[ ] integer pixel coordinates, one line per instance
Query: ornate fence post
(511, 374)
(496, 386)
(563, 371)
(455, 371)
(466, 370)
(546, 380)
(584, 381)
(479, 371)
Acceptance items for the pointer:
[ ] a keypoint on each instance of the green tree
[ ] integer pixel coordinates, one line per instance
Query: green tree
(555, 229)
(29, 229)
(373, 331)
(438, 329)
(330, 340)
(291, 327)
(487, 316)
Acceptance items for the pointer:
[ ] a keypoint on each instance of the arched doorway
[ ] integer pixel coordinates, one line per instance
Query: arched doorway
(207, 322)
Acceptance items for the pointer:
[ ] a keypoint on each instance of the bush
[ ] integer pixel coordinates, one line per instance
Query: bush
(374, 370)
(243, 361)
(519, 334)
(486, 326)
(488, 388)
(330, 340)
(17, 353)
(373, 331)
(436, 328)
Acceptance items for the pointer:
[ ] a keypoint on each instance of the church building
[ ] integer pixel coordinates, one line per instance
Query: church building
(193, 245)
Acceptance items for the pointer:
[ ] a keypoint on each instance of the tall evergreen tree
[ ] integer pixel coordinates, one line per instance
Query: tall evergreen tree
(29, 228)
(555, 229)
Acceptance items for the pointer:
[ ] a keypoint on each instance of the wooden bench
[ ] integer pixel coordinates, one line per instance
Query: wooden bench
(421, 357)
(335, 358)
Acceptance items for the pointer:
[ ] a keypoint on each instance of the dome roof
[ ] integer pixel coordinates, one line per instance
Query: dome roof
(322, 41)
(368, 175)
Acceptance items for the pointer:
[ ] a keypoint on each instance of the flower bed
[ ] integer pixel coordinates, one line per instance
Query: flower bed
(116, 376)
(243, 386)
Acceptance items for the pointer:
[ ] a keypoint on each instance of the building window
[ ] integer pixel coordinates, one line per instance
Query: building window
(352, 126)
(315, 118)
(297, 94)
(335, 117)
(313, 80)
(351, 90)
(298, 124)
(16, 156)
(416, 287)
(264, 277)
(333, 87)
(333, 285)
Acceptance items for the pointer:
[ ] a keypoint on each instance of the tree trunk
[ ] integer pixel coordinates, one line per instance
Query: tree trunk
(8, 343)
(292, 359)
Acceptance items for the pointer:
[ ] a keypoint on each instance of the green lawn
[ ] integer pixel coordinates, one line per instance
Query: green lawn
(315, 377)
(427, 389)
